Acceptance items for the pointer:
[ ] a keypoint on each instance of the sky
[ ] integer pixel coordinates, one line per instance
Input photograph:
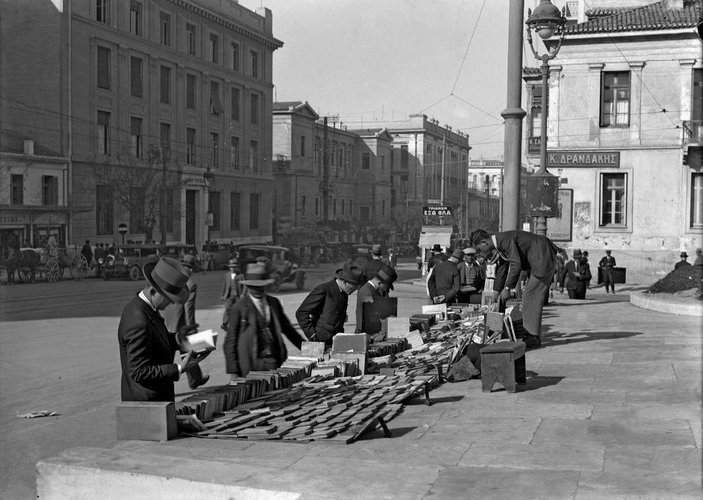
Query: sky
(373, 60)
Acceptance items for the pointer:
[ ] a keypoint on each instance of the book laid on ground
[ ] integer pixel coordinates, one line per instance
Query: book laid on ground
(203, 341)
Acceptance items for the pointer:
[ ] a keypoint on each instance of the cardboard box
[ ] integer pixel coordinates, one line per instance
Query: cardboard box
(146, 420)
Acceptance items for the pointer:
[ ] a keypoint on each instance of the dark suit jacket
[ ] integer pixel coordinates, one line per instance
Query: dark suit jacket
(146, 354)
(178, 315)
(367, 293)
(471, 275)
(241, 344)
(444, 280)
(322, 313)
(230, 288)
(523, 251)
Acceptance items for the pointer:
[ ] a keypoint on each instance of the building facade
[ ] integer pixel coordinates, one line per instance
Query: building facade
(624, 132)
(32, 193)
(163, 108)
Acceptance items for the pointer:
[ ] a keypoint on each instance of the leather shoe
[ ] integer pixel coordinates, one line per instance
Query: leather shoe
(197, 383)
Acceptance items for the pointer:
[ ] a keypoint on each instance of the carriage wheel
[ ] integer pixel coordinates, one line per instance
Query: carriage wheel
(79, 267)
(53, 271)
(25, 274)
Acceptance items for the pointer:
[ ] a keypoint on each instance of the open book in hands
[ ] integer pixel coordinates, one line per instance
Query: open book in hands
(201, 342)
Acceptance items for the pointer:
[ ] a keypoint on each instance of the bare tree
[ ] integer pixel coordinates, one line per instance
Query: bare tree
(144, 189)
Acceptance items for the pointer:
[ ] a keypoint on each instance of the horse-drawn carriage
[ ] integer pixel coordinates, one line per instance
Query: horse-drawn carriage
(43, 264)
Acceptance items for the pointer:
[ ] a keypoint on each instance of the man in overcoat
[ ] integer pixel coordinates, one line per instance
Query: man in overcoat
(471, 278)
(377, 286)
(231, 289)
(443, 284)
(324, 310)
(257, 325)
(513, 252)
(146, 347)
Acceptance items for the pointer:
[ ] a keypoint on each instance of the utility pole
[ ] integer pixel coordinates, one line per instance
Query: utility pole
(325, 173)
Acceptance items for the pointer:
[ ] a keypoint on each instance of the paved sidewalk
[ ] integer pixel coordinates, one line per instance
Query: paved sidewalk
(612, 409)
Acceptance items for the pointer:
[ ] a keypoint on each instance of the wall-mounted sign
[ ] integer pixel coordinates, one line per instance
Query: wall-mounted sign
(441, 210)
(560, 159)
(193, 180)
(560, 227)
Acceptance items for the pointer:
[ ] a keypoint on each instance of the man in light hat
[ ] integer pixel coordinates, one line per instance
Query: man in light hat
(376, 287)
(572, 279)
(683, 262)
(443, 284)
(177, 316)
(254, 340)
(146, 347)
(323, 312)
(231, 289)
(471, 278)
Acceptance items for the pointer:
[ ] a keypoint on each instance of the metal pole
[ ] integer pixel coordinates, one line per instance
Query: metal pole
(325, 173)
(541, 222)
(162, 199)
(513, 116)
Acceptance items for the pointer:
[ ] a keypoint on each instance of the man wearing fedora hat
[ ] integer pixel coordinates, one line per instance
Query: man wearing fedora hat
(146, 347)
(607, 264)
(436, 257)
(375, 263)
(471, 278)
(443, 284)
(254, 340)
(377, 286)
(177, 316)
(683, 262)
(571, 279)
(231, 289)
(323, 312)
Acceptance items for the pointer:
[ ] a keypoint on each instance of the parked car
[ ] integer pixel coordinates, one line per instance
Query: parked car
(127, 261)
(281, 261)
(215, 256)
(179, 250)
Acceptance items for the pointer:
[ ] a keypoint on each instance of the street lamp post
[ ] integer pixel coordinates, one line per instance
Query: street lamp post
(542, 187)
(208, 177)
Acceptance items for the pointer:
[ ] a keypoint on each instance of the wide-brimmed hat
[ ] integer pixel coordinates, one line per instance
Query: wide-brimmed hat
(437, 248)
(470, 251)
(386, 274)
(608, 251)
(351, 272)
(169, 277)
(189, 261)
(684, 254)
(577, 253)
(376, 250)
(257, 275)
(233, 263)
(458, 254)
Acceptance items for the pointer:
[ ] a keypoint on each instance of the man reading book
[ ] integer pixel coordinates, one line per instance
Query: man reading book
(146, 347)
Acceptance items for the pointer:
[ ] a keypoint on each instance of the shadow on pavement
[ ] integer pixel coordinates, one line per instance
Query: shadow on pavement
(535, 381)
(377, 433)
(420, 400)
(572, 338)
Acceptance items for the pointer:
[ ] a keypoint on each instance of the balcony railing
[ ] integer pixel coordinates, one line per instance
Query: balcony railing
(692, 133)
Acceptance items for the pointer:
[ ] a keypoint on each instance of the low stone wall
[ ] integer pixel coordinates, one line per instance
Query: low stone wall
(667, 304)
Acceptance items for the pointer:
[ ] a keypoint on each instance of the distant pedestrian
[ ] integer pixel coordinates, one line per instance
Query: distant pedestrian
(683, 262)
(87, 252)
(572, 278)
(392, 258)
(606, 265)
(376, 262)
(231, 290)
(699, 258)
(585, 258)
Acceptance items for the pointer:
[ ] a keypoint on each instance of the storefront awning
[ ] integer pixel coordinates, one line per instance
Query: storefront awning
(431, 236)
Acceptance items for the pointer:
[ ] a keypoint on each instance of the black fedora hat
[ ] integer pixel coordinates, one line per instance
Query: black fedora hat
(256, 274)
(351, 272)
(387, 275)
(169, 277)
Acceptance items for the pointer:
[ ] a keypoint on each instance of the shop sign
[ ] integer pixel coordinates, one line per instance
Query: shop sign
(14, 219)
(440, 210)
(560, 159)
(560, 227)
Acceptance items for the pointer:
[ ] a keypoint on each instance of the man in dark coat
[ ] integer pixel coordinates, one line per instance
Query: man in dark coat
(231, 289)
(178, 316)
(377, 286)
(436, 257)
(323, 312)
(254, 340)
(514, 252)
(146, 347)
(87, 252)
(444, 283)
(373, 265)
(683, 262)
(471, 278)
(607, 264)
